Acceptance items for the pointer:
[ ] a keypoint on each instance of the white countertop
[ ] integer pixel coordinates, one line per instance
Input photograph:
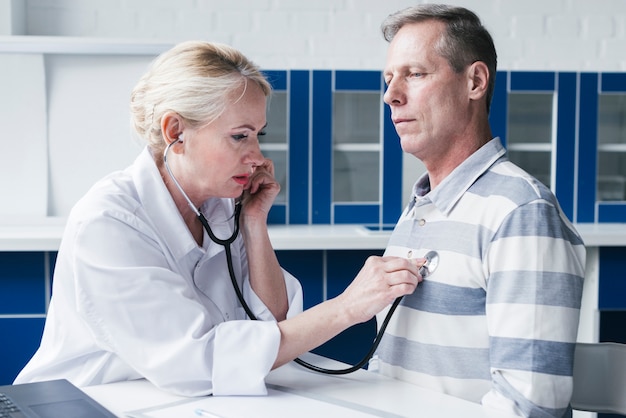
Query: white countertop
(293, 391)
(45, 234)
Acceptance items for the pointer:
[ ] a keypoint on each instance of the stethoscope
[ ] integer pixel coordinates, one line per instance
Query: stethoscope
(432, 261)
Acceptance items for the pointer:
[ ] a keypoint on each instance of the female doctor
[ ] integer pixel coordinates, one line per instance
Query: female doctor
(141, 290)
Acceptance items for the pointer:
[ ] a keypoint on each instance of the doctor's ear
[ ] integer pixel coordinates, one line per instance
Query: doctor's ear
(172, 127)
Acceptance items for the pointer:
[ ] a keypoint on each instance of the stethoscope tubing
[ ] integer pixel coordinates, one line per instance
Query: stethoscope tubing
(226, 243)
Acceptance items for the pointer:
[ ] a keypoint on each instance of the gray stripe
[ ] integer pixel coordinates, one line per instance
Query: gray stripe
(538, 356)
(530, 409)
(441, 298)
(434, 360)
(468, 238)
(535, 288)
(516, 189)
(546, 222)
(334, 401)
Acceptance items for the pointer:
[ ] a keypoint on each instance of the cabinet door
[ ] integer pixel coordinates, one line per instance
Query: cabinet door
(356, 155)
(534, 115)
(274, 144)
(602, 196)
(287, 143)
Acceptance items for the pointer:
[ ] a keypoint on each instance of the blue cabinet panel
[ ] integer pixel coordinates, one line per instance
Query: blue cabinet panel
(613, 82)
(298, 184)
(357, 214)
(358, 80)
(612, 279)
(308, 268)
(277, 78)
(533, 81)
(392, 171)
(353, 344)
(499, 107)
(22, 283)
(26, 335)
(611, 211)
(322, 146)
(587, 146)
(565, 167)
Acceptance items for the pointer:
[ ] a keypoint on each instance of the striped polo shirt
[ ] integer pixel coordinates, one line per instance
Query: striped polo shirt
(498, 317)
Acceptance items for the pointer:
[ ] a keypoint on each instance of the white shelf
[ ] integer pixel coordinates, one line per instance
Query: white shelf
(614, 147)
(530, 146)
(45, 235)
(80, 45)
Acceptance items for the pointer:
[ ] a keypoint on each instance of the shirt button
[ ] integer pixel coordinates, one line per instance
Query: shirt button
(421, 222)
(409, 254)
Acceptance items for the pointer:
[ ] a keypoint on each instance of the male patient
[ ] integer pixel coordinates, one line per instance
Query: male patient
(496, 321)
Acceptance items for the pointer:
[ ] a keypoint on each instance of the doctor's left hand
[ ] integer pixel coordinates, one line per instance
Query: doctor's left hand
(260, 192)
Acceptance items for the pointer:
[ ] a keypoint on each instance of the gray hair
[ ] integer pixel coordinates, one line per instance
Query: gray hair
(465, 41)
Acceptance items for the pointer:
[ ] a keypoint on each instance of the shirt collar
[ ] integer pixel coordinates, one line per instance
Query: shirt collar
(452, 188)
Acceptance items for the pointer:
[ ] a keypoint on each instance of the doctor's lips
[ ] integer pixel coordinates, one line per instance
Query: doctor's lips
(242, 179)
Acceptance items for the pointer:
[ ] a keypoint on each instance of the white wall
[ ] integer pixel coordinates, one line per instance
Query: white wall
(87, 128)
(570, 35)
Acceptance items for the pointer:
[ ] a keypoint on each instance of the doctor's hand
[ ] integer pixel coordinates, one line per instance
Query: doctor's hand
(260, 192)
(380, 281)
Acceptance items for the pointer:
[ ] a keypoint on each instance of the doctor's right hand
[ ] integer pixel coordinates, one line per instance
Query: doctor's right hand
(380, 281)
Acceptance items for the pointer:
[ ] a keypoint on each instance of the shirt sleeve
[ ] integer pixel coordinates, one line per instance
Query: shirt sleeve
(536, 269)
(141, 310)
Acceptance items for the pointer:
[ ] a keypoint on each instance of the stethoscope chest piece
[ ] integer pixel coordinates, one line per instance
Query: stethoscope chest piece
(432, 261)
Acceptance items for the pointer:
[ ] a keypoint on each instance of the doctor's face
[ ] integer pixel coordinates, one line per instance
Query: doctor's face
(428, 100)
(224, 153)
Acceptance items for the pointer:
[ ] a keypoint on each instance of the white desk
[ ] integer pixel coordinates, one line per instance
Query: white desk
(293, 391)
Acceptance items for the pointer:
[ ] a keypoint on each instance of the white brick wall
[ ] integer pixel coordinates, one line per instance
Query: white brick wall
(567, 35)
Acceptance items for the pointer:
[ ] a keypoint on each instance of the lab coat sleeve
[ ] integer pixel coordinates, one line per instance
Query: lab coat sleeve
(145, 313)
(262, 312)
(235, 374)
(245, 375)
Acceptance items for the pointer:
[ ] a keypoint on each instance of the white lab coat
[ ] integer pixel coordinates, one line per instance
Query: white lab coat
(134, 297)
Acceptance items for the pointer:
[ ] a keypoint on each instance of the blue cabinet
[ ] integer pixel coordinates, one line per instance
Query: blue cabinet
(24, 293)
(339, 159)
(343, 161)
(602, 153)
(583, 159)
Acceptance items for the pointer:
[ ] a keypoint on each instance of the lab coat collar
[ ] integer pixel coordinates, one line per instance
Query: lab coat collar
(454, 186)
(160, 207)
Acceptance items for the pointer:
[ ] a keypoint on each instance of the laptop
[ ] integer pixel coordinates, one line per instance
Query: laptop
(49, 399)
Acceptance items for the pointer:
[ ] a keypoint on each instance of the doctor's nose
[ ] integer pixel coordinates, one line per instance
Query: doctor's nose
(254, 156)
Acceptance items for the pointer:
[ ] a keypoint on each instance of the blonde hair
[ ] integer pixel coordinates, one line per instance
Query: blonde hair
(194, 79)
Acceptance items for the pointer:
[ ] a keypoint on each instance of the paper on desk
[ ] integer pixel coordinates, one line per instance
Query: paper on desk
(276, 404)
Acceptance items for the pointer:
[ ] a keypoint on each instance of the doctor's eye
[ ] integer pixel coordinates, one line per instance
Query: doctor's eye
(239, 137)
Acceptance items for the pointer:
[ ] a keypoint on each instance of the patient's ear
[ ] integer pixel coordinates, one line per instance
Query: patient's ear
(478, 80)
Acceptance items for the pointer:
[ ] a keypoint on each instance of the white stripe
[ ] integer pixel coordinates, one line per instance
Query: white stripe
(528, 321)
(469, 389)
(543, 248)
(437, 329)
